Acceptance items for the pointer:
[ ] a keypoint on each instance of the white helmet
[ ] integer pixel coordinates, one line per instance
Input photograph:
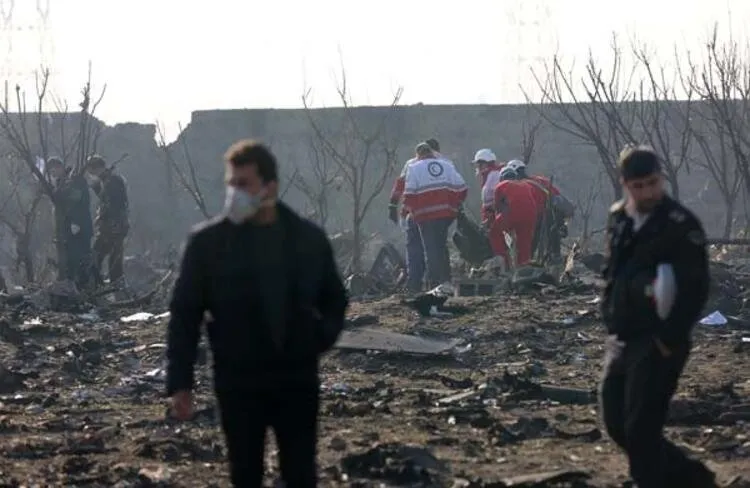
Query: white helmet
(508, 174)
(515, 165)
(485, 155)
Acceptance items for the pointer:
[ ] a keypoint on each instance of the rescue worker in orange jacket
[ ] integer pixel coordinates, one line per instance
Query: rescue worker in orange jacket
(397, 192)
(433, 193)
(517, 212)
(488, 170)
(543, 182)
(415, 261)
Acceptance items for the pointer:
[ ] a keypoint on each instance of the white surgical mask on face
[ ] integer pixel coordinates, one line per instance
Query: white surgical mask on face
(241, 205)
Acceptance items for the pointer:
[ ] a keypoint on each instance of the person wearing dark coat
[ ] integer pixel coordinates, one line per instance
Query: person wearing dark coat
(269, 281)
(111, 223)
(73, 224)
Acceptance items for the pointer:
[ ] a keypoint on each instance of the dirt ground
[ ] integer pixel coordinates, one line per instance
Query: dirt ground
(83, 404)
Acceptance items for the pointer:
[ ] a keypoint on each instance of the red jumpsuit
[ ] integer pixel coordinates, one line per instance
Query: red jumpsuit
(517, 212)
(541, 189)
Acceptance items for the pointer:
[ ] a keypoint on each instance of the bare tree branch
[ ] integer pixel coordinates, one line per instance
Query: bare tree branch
(722, 82)
(317, 186)
(354, 147)
(529, 132)
(26, 132)
(188, 180)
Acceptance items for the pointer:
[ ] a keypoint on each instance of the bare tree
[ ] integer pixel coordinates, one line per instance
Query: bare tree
(27, 133)
(529, 131)
(587, 119)
(363, 152)
(19, 206)
(187, 176)
(619, 111)
(655, 117)
(717, 158)
(317, 186)
(586, 201)
(722, 81)
(186, 172)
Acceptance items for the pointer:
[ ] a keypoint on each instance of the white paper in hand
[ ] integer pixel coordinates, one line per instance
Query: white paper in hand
(665, 290)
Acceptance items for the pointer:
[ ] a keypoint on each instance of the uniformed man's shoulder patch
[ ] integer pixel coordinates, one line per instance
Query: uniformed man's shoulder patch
(618, 206)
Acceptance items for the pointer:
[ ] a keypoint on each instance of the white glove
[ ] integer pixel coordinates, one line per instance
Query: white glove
(75, 229)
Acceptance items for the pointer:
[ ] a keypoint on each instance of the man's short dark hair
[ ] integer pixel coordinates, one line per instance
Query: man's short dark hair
(434, 144)
(95, 162)
(638, 162)
(423, 149)
(250, 152)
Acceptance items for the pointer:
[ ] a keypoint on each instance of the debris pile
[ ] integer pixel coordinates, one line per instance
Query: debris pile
(436, 389)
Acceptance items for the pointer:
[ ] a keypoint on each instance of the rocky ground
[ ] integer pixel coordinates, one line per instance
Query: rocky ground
(82, 402)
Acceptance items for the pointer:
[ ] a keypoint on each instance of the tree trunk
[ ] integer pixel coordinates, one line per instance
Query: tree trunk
(357, 248)
(616, 189)
(728, 217)
(674, 185)
(614, 180)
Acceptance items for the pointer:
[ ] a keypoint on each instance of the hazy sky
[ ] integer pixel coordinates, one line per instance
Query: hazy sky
(162, 59)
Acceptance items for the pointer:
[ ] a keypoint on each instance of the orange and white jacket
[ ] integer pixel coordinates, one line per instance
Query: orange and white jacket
(397, 192)
(433, 189)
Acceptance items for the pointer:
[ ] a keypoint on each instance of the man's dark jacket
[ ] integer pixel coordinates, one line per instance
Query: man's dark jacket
(113, 210)
(672, 234)
(73, 207)
(244, 353)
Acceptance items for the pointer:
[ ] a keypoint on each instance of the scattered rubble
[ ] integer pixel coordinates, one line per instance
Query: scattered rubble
(431, 390)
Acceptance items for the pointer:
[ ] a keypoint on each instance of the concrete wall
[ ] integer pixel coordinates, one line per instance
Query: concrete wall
(162, 211)
(461, 130)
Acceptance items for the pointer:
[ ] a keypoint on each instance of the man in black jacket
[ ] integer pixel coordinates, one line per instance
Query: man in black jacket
(73, 225)
(270, 283)
(656, 286)
(111, 217)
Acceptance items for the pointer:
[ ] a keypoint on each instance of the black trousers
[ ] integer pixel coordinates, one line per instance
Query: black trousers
(74, 260)
(292, 413)
(110, 247)
(635, 393)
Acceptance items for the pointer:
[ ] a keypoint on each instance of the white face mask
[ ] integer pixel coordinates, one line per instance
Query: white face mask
(241, 205)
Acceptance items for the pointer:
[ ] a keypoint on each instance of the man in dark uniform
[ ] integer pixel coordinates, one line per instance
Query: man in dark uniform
(73, 226)
(656, 286)
(269, 280)
(111, 217)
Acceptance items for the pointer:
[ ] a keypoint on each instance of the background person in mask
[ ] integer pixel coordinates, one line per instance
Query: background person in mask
(73, 226)
(111, 217)
(269, 280)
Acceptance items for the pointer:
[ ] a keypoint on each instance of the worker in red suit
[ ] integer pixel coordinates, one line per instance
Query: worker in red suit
(517, 213)
(487, 170)
(552, 226)
(543, 183)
